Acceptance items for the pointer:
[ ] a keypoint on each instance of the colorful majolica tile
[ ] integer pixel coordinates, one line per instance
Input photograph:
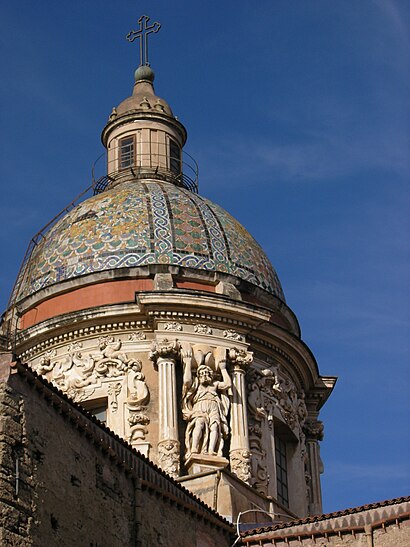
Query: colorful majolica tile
(137, 224)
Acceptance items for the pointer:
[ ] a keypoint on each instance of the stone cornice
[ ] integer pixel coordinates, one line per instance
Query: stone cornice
(215, 304)
(143, 116)
(80, 333)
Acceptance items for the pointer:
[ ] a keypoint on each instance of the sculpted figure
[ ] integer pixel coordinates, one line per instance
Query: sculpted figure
(138, 391)
(205, 406)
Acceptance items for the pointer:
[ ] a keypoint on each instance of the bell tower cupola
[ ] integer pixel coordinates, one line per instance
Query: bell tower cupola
(143, 138)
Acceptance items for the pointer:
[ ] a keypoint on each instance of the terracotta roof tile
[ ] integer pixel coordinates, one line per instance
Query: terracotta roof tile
(326, 516)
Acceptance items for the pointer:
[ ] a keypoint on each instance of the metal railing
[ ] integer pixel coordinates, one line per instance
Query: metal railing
(182, 172)
(144, 163)
(10, 314)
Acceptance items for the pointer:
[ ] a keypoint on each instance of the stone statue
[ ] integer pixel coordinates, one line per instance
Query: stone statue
(205, 405)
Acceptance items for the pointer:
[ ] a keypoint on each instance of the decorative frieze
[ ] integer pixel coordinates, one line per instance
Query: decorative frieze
(167, 314)
(202, 328)
(232, 335)
(137, 336)
(173, 326)
(79, 334)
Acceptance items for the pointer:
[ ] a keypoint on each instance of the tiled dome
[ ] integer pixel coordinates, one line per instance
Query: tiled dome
(142, 223)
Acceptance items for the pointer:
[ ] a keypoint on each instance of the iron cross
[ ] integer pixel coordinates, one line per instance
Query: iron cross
(142, 35)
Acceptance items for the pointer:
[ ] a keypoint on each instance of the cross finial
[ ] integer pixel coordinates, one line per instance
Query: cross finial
(142, 34)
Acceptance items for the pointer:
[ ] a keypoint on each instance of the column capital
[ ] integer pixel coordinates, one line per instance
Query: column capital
(240, 359)
(313, 430)
(164, 349)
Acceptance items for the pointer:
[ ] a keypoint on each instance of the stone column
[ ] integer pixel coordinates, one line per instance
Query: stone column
(164, 355)
(313, 430)
(240, 456)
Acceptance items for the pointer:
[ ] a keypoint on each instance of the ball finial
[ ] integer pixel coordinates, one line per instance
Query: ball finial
(144, 72)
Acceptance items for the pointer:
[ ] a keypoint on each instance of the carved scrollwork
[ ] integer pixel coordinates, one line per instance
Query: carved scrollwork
(269, 390)
(241, 464)
(258, 412)
(137, 401)
(76, 371)
(259, 470)
(79, 395)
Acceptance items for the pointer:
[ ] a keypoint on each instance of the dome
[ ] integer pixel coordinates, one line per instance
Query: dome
(143, 98)
(143, 223)
(143, 95)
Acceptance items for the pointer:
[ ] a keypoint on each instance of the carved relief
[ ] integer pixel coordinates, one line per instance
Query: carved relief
(173, 326)
(232, 335)
(75, 371)
(275, 390)
(258, 411)
(240, 464)
(47, 362)
(259, 471)
(79, 395)
(168, 457)
(137, 401)
(201, 328)
(137, 336)
(164, 348)
(113, 391)
(240, 358)
(288, 402)
(267, 391)
(313, 430)
(205, 401)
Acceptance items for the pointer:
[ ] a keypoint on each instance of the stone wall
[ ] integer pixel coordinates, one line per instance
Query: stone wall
(62, 481)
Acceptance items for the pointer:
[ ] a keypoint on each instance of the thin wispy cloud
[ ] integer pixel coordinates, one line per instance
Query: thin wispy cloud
(355, 317)
(378, 472)
(330, 154)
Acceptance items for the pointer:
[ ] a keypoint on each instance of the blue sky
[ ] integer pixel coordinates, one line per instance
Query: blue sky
(297, 113)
